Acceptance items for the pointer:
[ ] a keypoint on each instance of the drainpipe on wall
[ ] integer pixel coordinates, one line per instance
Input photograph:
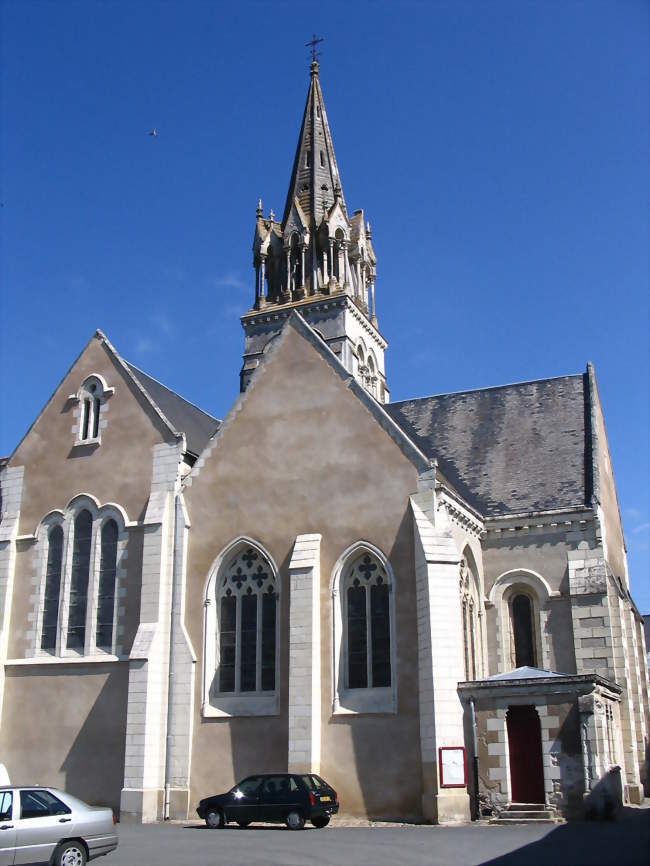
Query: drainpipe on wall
(477, 810)
(170, 679)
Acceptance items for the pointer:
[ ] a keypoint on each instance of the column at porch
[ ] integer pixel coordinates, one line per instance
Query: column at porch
(304, 656)
(440, 661)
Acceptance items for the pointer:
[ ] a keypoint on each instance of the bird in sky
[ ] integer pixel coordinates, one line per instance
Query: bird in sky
(154, 132)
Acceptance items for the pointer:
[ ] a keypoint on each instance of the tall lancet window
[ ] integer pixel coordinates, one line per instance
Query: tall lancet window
(82, 538)
(247, 604)
(367, 624)
(52, 588)
(107, 574)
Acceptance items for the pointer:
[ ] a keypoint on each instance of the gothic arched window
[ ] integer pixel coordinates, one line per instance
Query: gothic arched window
(106, 590)
(52, 592)
(78, 601)
(522, 630)
(366, 589)
(246, 597)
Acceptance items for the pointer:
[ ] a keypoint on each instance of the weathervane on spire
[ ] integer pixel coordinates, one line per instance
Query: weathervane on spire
(312, 44)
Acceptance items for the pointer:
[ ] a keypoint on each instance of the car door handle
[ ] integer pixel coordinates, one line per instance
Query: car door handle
(64, 820)
(7, 827)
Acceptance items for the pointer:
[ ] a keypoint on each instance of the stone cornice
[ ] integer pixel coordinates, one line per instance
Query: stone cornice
(460, 512)
(524, 522)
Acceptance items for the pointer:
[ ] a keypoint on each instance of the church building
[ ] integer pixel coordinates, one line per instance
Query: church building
(426, 602)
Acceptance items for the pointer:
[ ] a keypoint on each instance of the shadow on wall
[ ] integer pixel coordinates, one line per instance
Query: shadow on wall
(624, 842)
(605, 800)
(94, 766)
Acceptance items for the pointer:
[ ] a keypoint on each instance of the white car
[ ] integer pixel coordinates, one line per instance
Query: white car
(45, 825)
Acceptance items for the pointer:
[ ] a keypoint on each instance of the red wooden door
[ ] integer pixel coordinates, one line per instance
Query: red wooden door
(525, 747)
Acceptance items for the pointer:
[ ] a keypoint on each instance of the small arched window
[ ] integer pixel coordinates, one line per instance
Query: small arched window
(367, 624)
(522, 631)
(246, 621)
(91, 397)
(106, 590)
(78, 602)
(52, 588)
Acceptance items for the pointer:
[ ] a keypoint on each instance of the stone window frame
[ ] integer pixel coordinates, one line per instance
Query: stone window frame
(367, 700)
(100, 515)
(91, 398)
(505, 588)
(227, 704)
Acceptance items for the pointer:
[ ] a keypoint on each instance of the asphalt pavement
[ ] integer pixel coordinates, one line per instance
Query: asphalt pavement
(623, 843)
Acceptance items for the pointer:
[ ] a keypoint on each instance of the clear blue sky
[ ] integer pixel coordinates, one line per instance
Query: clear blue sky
(500, 150)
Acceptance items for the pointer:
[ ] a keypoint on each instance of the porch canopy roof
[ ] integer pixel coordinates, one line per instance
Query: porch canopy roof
(533, 681)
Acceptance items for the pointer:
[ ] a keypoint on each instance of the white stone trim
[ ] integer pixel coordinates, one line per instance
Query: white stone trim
(346, 701)
(305, 656)
(238, 704)
(11, 490)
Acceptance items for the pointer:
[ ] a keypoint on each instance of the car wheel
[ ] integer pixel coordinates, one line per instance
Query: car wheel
(243, 824)
(71, 854)
(320, 822)
(214, 819)
(295, 821)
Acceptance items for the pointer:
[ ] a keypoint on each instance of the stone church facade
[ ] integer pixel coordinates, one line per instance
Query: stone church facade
(427, 602)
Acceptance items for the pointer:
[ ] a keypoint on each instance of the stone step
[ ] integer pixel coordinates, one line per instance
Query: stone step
(501, 821)
(527, 807)
(528, 813)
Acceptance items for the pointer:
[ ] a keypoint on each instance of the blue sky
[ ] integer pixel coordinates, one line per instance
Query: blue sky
(499, 149)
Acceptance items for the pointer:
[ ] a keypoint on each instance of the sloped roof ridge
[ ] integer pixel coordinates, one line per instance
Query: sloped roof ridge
(171, 391)
(488, 388)
(99, 334)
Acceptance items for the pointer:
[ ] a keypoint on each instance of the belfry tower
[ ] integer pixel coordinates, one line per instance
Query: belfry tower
(317, 260)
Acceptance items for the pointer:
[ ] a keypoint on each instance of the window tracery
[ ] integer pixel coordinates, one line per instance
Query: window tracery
(245, 590)
(364, 633)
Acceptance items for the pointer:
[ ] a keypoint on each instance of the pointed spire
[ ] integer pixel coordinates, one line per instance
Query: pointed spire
(315, 174)
(259, 210)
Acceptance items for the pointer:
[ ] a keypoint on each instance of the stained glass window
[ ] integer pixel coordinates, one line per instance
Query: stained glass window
(52, 588)
(107, 573)
(367, 624)
(247, 622)
(79, 581)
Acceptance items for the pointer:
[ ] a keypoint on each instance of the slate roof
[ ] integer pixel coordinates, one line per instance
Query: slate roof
(198, 426)
(510, 449)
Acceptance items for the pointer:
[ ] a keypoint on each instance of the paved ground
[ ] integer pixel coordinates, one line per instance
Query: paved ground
(625, 843)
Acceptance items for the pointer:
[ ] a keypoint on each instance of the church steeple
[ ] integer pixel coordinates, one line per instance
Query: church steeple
(318, 251)
(315, 174)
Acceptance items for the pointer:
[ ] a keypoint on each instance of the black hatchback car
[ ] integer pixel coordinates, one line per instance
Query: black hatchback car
(282, 798)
